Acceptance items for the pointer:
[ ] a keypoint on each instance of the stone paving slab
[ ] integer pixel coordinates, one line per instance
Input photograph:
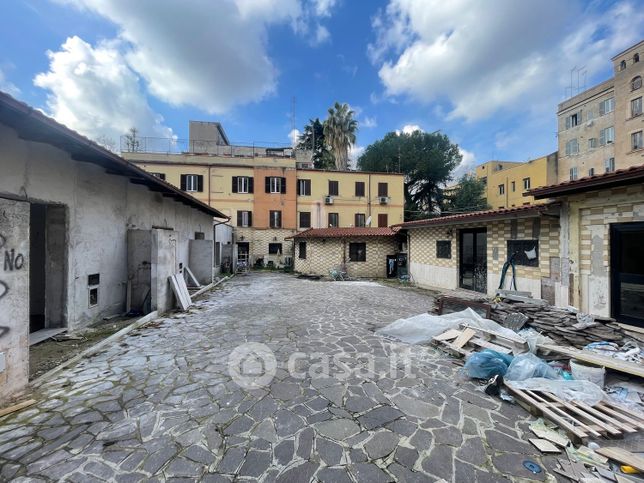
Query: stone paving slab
(160, 404)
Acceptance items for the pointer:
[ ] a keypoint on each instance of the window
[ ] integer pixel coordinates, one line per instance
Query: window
(334, 220)
(609, 165)
(637, 141)
(636, 83)
(636, 107)
(92, 286)
(383, 189)
(514, 186)
(159, 175)
(572, 147)
(275, 219)
(357, 252)
(383, 220)
(301, 250)
(443, 249)
(526, 252)
(606, 106)
(305, 219)
(275, 184)
(334, 188)
(274, 248)
(304, 187)
(526, 183)
(200, 235)
(359, 189)
(592, 143)
(192, 182)
(573, 173)
(622, 65)
(243, 184)
(573, 120)
(360, 219)
(591, 172)
(244, 218)
(636, 58)
(501, 189)
(607, 136)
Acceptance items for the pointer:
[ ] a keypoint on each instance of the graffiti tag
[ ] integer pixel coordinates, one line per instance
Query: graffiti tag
(4, 288)
(12, 261)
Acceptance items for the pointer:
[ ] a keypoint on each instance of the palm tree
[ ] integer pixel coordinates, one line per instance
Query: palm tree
(340, 133)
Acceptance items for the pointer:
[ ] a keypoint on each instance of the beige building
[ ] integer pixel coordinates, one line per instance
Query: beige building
(600, 129)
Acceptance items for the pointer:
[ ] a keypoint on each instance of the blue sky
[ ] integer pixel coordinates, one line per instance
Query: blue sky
(487, 74)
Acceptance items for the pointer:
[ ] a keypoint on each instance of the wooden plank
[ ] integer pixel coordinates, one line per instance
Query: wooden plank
(602, 406)
(632, 328)
(448, 335)
(584, 414)
(544, 445)
(626, 411)
(622, 456)
(598, 360)
(462, 339)
(16, 407)
(516, 343)
(625, 428)
(551, 435)
(557, 407)
(489, 345)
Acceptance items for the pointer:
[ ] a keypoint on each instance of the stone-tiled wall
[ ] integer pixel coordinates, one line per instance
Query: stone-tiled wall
(323, 256)
(259, 239)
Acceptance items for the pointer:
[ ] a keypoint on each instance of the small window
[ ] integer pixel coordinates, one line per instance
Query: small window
(200, 235)
(275, 219)
(383, 189)
(334, 220)
(302, 250)
(334, 188)
(357, 252)
(637, 142)
(636, 83)
(242, 184)
(636, 58)
(573, 173)
(592, 143)
(636, 107)
(159, 175)
(359, 189)
(572, 147)
(609, 165)
(606, 106)
(443, 249)
(275, 184)
(244, 218)
(305, 219)
(607, 136)
(93, 297)
(591, 172)
(514, 186)
(93, 281)
(526, 252)
(526, 183)
(304, 187)
(192, 182)
(622, 65)
(573, 120)
(501, 189)
(274, 248)
(383, 220)
(360, 219)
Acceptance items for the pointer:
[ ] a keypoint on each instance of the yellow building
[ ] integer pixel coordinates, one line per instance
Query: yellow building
(507, 181)
(269, 193)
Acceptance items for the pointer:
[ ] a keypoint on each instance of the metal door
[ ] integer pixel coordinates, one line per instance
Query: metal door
(473, 259)
(627, 272)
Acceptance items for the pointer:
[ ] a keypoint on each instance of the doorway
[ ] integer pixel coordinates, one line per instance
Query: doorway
(473, 259)
(392, 266)
(47, 267)
(627, 272)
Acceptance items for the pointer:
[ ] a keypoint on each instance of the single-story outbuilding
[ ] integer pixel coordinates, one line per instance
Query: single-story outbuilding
(361, 251)
(84, 234)
(602, 242)
(469, 250)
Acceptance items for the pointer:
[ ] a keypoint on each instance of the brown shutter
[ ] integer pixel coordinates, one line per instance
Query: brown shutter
(250, 218)
(200, 183)
(383, 220)
(251, 185)
(383, 189)
(267, 184)
(239, 218)
(283, 185)
(234, 184)
(183, 182)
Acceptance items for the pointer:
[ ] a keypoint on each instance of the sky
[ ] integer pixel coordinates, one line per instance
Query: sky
(487, 74)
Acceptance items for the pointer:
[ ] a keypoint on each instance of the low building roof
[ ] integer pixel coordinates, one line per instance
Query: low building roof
(352, 232)
(524, 211)
(33, 125)
(620, 177)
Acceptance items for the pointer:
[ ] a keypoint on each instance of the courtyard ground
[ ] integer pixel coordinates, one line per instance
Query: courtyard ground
(160, 404)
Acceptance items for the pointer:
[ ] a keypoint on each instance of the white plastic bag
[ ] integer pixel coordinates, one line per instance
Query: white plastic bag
(584, 391)
(584, 372)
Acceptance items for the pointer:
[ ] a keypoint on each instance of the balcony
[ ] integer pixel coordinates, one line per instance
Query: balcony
(206, 148)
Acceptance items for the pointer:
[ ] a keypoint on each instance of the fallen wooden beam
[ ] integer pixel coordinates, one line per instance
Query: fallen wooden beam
(17, 407)
(622, 456)
(596, 359)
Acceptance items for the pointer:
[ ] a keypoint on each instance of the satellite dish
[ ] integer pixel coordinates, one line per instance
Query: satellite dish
(368, 222)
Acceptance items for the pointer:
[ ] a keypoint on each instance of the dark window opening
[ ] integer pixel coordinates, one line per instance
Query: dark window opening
(199, 235)
(304, 187)
(359, 188)
(357, 252)
(94, 279)
(334, 220)
(275, 219)
(526, 252)
(383, 189)
(275, 248)
(334, 188)
(443, 249)
(383, 220)
(305, 219)
(302, 250)
(360, 219)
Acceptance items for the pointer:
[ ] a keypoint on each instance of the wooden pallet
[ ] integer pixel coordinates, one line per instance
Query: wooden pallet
(578, 419)
(516, 344)
(461, 343)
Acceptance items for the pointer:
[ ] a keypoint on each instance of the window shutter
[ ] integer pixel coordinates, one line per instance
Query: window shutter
(602, 108)
(355, 219)
(251, 185)
(279, 219)
(239, 218)
(299, 191)
(183, 182)
(234, 184)
(283, 185)
(250, 218)
(267, 184)
(200, 183)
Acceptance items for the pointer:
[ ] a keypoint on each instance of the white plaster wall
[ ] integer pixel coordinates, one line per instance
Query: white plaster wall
(431, 276)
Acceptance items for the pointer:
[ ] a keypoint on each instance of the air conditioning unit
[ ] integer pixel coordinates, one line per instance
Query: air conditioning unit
(383, 200)
(328, 200)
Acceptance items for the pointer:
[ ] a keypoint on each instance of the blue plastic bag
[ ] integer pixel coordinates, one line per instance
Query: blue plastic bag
(487, 364)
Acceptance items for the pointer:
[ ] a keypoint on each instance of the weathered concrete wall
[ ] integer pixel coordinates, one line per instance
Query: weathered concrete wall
(164, 264)
(14, 296)
(201, 260)
(223, 237)
(139, 267)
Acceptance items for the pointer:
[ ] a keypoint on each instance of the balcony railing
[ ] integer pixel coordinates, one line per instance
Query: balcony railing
(192, 146)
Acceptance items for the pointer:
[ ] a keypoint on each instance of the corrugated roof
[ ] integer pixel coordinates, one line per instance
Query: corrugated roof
(351, 232)
(518, 211)
(33, 125)
(632, 175)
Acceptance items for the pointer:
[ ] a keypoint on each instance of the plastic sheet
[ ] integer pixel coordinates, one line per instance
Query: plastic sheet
(487, 364)
(583, 391)
(526, 366)
(421, 328)
(533, 338)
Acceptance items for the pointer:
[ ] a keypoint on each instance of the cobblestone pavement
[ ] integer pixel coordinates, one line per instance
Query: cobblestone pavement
(160, 405)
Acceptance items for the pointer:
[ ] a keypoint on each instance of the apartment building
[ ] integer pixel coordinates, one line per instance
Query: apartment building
(507, 181)
(600, 129)
(269, 193)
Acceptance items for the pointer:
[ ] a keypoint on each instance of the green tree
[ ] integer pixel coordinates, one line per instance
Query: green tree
(426, 160)
(313, 139)
(468, 195)
(340, 133)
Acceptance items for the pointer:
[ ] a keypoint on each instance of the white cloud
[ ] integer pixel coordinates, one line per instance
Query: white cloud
(94, 91)
(321, 35)
(293, 135)
(409, 128)
(488, 59)
(355, 152)
(369, 122)
(323, 8)
(7, 86)
(466, 165)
